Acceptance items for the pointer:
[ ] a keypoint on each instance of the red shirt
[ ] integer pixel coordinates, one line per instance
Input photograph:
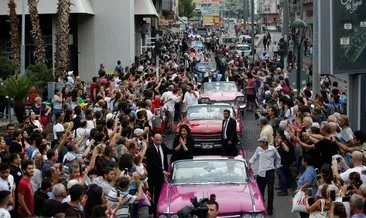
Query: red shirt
(25, 188)
(92, 87)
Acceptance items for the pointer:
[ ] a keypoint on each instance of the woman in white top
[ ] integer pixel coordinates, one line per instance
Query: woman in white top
(35, 123)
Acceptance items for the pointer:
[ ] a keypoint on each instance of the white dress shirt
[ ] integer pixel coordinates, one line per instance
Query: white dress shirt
(190, 99)
(226, 122)
(267, 159)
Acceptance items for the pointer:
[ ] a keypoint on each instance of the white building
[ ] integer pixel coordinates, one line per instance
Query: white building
(102, 31)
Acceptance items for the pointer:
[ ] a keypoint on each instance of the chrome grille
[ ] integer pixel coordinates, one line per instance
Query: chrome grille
(198, 138)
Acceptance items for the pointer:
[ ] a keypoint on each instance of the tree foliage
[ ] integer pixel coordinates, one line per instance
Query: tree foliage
(7, 67)
(186, 8)
(40, 73)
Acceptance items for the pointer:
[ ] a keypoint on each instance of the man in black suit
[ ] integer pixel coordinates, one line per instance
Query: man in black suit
(226, 77)
(229, 139)
(209, 78)
(157, 167)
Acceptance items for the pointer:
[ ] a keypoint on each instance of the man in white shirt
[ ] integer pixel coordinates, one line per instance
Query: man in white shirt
(357, 157)
(269, 159)
(59, 127)
(4, 199)
(7, 182)
(266, 130)
(169, 99)
(191, 96)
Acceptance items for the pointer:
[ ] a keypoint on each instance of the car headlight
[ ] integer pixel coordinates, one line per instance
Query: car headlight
(174, 216)
(240, 99)
(205, 100)
(163, 216)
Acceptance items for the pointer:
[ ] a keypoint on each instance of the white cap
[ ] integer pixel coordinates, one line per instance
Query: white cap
(109, 116)
(71, 183)
(70, 73)
(138, 132)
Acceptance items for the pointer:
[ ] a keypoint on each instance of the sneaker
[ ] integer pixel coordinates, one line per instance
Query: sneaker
(282, 193)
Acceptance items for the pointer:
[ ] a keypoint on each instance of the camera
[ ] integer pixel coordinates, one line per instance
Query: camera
(198, 209)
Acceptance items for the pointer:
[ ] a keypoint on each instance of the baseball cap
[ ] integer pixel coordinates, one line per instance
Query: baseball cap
(262, 139)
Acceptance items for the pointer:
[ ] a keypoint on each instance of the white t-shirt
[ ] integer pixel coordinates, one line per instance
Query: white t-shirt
(89, 125)
(169, 100)
(361, 170)
(4, 186)
(4, 213)
(190, 99)
(57, 105)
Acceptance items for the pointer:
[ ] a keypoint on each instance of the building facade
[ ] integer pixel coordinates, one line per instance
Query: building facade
(269, 12)
(100, 31)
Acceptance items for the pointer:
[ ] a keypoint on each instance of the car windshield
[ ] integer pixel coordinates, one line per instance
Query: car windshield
(220, 87)
(196, 44)
(206, 66)
(209, 171)
(243, 48)
(230, 40)
(209, 112)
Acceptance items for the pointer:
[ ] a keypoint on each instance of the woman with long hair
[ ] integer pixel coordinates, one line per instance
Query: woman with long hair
(95, 199)
(34, 122)
(183, 144)
(25, 140)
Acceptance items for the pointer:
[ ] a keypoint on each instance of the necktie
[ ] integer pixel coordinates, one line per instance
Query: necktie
(225, 125)
(159, 153)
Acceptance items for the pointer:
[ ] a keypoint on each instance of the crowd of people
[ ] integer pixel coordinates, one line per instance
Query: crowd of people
(99, 151)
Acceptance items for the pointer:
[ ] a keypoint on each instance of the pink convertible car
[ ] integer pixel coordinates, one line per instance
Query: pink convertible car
(230, 179)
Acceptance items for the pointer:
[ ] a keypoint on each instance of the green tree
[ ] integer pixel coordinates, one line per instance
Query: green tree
(40, 73)
(186, 8)
(7, 67)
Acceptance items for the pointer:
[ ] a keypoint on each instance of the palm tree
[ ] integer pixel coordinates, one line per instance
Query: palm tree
(14, 35)
(62, 38)
(40, 52)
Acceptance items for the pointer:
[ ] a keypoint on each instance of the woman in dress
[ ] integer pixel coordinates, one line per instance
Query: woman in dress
(183, 145)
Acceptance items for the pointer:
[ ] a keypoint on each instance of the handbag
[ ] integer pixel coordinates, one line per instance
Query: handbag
(299, 202)
(320, 214)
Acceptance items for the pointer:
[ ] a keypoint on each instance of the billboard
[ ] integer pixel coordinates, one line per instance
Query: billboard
(211, 9)
(349, 36)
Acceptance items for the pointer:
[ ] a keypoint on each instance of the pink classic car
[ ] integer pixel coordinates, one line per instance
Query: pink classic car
(230, 179)
(221, 91)
(205, 122)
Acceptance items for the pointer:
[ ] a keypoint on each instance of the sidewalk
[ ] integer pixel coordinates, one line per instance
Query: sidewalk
(258, 39)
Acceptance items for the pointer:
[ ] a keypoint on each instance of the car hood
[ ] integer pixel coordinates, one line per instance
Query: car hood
(221, 96)
(205, 126)
(233, 199)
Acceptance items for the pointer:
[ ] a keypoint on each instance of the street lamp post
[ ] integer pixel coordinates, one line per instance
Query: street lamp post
(301, 26)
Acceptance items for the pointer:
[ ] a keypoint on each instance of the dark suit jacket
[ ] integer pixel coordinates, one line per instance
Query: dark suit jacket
(223, 78)
(153, 163)
(206, 79)
(230, 130)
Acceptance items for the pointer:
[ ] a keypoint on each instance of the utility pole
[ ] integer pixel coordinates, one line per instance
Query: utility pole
(252, 21)
(316, 39)
(245, 14)
(22, 48)
(285, 31)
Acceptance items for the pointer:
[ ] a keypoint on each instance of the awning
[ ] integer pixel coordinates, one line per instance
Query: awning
(49, 7)
(145, 8)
